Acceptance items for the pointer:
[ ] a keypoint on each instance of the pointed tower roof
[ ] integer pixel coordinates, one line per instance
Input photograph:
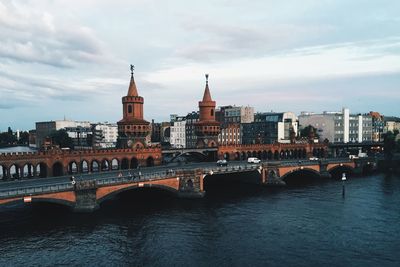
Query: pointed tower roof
(207, 95)
(132, 85)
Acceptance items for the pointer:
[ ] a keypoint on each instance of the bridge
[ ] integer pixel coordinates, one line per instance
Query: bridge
(187, 181)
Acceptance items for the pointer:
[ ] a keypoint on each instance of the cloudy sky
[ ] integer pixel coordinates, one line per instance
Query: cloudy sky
(71, 58)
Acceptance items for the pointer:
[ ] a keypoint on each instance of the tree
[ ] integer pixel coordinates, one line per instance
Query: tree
(389, 145)
(61, 138)
(7, 138)
(309, 130)
(23, 138)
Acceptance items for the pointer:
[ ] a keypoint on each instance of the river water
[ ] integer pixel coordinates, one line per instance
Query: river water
(308, 225)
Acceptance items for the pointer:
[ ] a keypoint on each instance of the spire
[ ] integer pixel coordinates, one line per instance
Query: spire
(132, 86)
(207, 95)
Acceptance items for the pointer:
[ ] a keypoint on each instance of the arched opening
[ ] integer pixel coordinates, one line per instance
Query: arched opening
(291, 154)
(114, 164)
(95, 166)
(301, 177)
(296, 154)
(3, 173)
(248, 154)
(315, 152)
(264, 155)
(254, 154)
(105, 165)
(237, 156)
(282, 155)
(41, 170)
(28, 170)
(243, 155)
(276, 155)
(129, 108)
(58, 169)
(134, 163)
(259, 154)
(226, 155)
(124, 164)
(189, 184)
(270, 155)
(14, 171)
(338, 171)
(150, 162)
(72, 167)
(304, 153)
(85, 166)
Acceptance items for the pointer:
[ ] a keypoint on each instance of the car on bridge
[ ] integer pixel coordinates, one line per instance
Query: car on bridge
(253, 160)
(222, 162)
(313, 158)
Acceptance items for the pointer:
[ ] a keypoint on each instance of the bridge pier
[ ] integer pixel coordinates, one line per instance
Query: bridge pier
(85, 192)
(190, 183)
(270, 175)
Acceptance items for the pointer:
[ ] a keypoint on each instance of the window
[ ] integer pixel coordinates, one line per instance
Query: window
(130, 109)
(212, 112)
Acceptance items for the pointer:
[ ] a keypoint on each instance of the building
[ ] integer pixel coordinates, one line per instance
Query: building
(155, 132)
(191, 137)
(207, 128)
(378, 126)
(178, 132)
(231, 134)
(133, 130)
(105, 135)
(234, 114)
(45, 128)
(339, 127)
(270, 127)
(391, 124)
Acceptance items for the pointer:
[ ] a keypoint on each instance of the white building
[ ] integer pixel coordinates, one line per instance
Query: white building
(106, 135)
(178, 132)
(339, 127)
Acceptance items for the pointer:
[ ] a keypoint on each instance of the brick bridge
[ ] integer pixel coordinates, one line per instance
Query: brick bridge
(91, 190)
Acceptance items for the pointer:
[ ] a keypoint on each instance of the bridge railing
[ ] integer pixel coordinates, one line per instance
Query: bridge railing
(234, 168)
(33, 190)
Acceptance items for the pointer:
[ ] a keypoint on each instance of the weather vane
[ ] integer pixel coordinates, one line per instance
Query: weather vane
(132, 69)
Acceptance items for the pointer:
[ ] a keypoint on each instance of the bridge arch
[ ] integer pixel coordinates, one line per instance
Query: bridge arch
(150, 161)
(134, 163)
(41, 170)
(105, 165)
(338, 170)
(133, 187)
(72, 167)
(84, 166)
(14, 171)
(94, 166)
(3, 172)
(58, 169)
(114, 164)
(300, 176)
(27, 170)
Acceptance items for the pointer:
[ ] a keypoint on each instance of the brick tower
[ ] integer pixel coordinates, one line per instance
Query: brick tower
(132, 129)
(207, 128)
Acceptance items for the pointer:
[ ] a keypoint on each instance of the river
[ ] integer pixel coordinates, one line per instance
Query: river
(308, 225)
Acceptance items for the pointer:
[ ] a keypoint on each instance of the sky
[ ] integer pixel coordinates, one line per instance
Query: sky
(70, 59)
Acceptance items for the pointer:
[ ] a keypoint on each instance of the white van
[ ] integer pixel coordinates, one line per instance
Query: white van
(253, 160)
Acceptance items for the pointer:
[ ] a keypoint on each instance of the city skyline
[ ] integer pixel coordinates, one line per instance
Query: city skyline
(58, 59)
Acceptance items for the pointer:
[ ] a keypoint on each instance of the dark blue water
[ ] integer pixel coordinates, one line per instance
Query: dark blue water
(245, 226)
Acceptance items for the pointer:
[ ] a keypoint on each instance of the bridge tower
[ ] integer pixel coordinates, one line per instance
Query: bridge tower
(132, 129)
(207, 128)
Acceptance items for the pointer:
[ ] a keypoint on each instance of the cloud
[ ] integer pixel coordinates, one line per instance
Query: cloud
(32, 36)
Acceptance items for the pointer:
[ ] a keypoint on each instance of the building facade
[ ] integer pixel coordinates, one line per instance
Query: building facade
(105, 135)
(178, 132)
(339, 127)
(270, 127)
